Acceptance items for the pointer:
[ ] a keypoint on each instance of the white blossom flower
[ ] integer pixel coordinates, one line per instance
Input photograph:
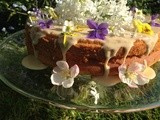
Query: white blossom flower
(77, 11)
(114, 12)
(63, 75)
(139, 14)
(95, 94)
(68, 27)
(135, 74)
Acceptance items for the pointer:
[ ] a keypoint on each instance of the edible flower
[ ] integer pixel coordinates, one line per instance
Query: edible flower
(63, 75)
(67, 29)
(133, 10)
(51, 12)
(45, 23)
(153, 20)
(68, 26)
(37, 12)
(99, 30)
(143, 27)
(139, 14)
(136, 74)
(34, 16)
(95, 94)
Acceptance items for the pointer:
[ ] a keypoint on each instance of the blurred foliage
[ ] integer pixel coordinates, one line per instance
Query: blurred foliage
(13, 13)
(148, 6)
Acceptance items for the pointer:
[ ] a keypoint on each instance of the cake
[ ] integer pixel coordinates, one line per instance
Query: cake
(102, 39)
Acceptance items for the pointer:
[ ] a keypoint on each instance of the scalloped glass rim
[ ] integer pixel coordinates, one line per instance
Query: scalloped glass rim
(119, 98)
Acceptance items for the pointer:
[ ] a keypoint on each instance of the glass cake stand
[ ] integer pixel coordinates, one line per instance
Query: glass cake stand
(37, 85)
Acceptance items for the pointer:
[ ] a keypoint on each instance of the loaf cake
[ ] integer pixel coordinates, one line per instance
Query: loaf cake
(110, 46)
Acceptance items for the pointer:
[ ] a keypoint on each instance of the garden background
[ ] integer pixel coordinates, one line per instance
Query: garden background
(13, 106)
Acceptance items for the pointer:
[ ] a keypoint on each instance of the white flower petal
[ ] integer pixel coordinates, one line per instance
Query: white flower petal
(70, 23)
(74, 70)
(136, 67)
(127, 80)
(122, 68)
(122, 72)
(149, 73)
(123, 78)
(63, 65)
(56, 79)
(64, 29)
(68, 83)
(132, 84)
(93, 92)
(141, 80)
(72, 28)
(66, 23)
(96, 98)
(56, 69)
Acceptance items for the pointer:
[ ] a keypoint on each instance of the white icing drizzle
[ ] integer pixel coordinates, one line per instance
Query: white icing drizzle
(111, 47)
(113, 44)
(71, 39)
(149, 40)
(65, 47)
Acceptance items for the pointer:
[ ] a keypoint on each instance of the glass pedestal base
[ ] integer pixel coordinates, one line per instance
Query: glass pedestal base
(36, 84)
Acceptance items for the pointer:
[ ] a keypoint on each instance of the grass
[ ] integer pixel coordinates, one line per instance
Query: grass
(14, 106)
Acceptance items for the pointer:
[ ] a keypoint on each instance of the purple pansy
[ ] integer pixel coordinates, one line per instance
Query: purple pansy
(99, 30)
(45, 23)
(153, 22)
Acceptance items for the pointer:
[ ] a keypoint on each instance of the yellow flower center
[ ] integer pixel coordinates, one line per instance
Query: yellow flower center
(65, 74)
(131, 75)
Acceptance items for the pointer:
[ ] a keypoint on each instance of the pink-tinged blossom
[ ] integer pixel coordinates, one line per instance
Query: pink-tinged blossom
(135, 74)
(63, 75)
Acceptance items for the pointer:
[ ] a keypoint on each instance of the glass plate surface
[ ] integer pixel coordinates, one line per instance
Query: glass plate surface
(37, 85)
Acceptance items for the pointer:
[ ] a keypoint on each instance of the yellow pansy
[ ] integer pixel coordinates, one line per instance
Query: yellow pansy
(138, 25)
(143, 27)
(147, 29)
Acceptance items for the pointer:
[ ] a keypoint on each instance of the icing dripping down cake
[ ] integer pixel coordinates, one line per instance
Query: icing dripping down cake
(104, 50)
